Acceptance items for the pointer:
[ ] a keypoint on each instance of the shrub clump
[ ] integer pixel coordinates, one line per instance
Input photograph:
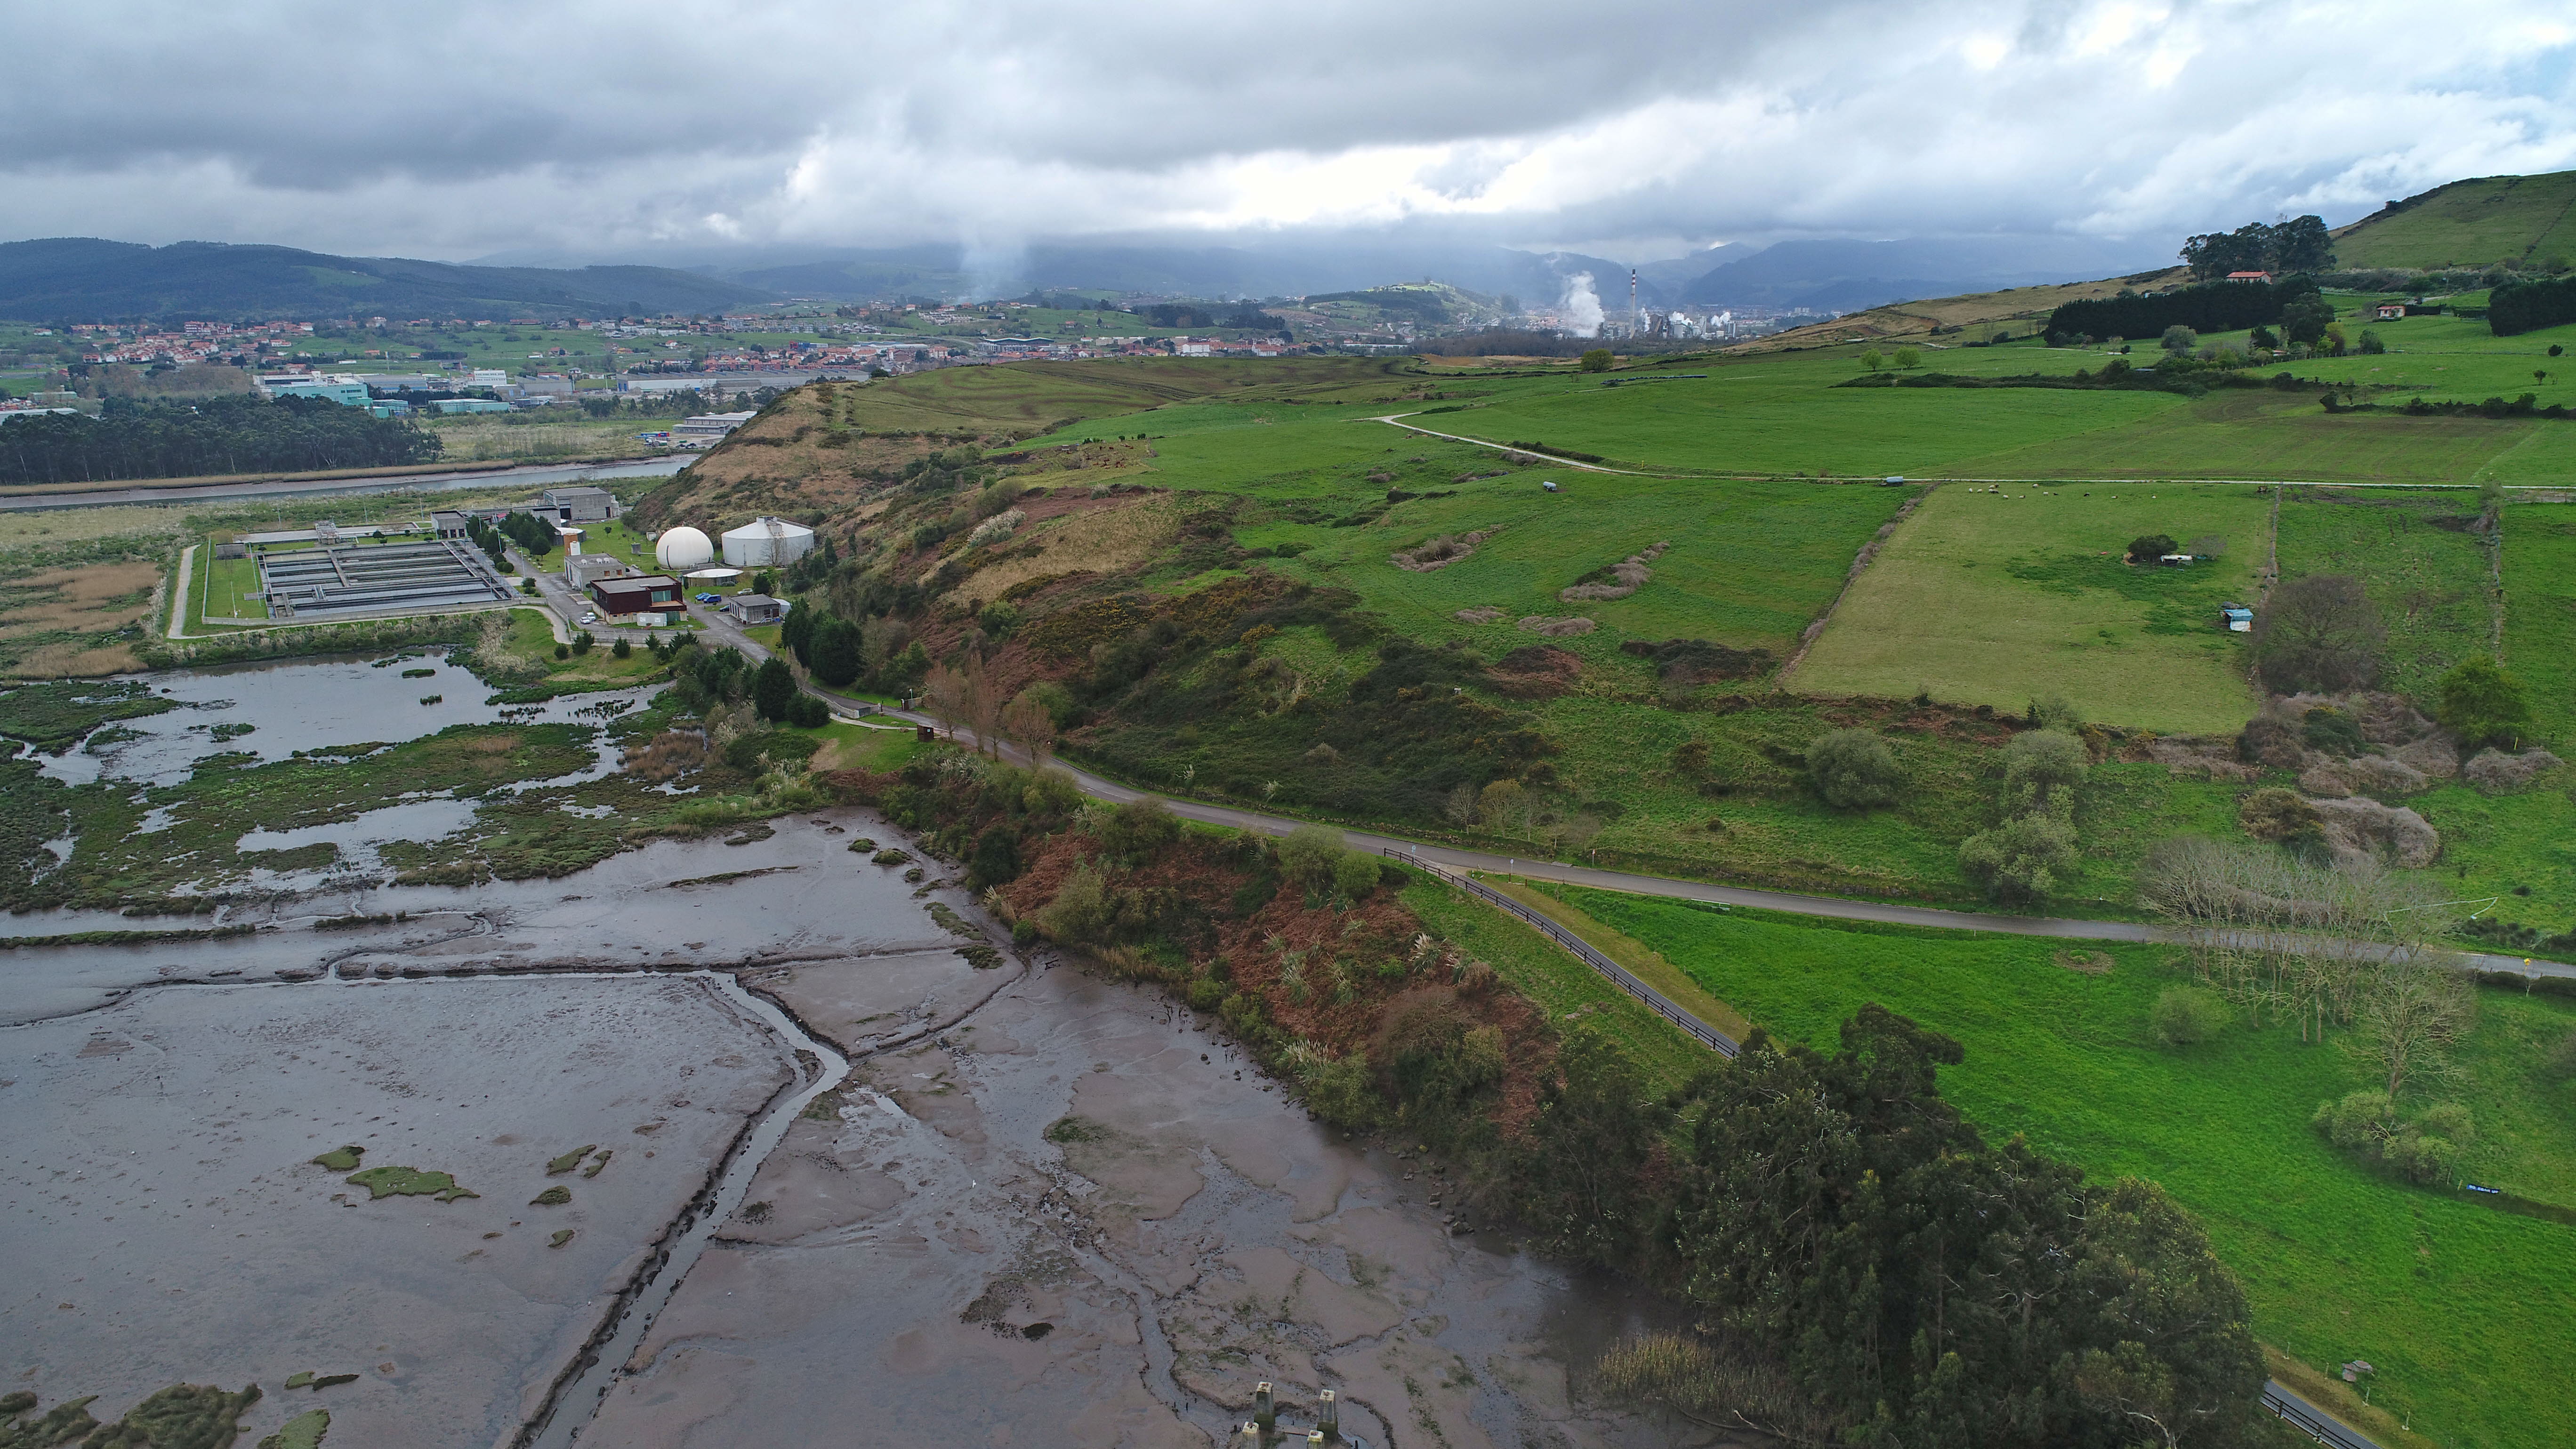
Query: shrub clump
(1854, 770)
(2277, 816)
(2188, 1015)
(2425, 1148)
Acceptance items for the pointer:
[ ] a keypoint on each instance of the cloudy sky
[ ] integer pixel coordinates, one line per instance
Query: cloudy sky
(620, 129)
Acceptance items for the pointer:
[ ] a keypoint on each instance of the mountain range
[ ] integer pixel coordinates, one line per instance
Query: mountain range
(86, 279)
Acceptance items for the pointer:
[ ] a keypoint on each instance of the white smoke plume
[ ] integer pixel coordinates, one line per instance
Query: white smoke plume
(1581, 307)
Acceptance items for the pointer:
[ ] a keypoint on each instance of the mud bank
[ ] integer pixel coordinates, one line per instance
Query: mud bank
(1077, 1217)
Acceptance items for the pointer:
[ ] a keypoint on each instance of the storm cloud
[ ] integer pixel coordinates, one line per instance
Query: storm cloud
(599, 130)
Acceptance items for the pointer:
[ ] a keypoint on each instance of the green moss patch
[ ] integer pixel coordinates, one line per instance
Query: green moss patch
(384, 1182)
(561, 1237)
(555, 1196)
(570, 1160)
(341, 1159)
(304, 1431)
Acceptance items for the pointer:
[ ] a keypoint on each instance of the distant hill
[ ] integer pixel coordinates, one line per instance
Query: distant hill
(2018, 311)
(2473, 223)
(86, 279)
(1848, 276)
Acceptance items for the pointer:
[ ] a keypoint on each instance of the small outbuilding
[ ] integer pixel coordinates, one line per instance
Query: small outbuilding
(636, 593)
(757, 608)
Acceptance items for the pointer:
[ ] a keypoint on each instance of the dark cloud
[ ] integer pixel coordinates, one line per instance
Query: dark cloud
(599, 128)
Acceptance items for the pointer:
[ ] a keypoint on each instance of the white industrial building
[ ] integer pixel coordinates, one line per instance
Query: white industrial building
(767, 543)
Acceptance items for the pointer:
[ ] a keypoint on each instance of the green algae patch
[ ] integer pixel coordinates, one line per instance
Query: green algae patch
(341, 1159)
(598, 1164)
(384, 1182)
(182, 1416)
(555, 1196)
(299, 1378)
(555, 1166)
(327, 1380)
(304, 1431)
(561, 1237)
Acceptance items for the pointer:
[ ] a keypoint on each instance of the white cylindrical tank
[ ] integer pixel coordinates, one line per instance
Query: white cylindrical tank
(767, 543)
(682, 549)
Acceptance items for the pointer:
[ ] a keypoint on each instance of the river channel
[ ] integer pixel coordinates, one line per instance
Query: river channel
(755, 1156)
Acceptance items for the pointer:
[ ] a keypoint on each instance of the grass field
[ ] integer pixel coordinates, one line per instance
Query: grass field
(2540, 613)
(2470, 224)
(224, 590)
(614, 538)
(2467, 1311)
(1035, 397)
(2000, 597)
(2428, 580)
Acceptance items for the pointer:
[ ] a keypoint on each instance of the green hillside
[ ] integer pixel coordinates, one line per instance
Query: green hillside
(2472, 223)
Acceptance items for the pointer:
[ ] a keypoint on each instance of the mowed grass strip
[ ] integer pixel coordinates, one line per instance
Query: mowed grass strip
(2468, 1312)
(1998, 598)
(1639, 959)
(1570, 992)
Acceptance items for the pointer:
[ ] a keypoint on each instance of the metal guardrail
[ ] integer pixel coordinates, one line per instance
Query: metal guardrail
(1708, 1036)
(2309, 1420)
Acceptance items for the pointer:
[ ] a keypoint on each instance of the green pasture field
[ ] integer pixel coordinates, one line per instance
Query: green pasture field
(2540, 614)
(2472, 223)
(2003, 594)
(2247, 434)
(1038, 396)
(2468, 1312)
(2429, 582)
(1783, 415)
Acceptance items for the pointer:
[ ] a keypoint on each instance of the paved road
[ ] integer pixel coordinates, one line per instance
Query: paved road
(2312, 1421)
(1452, 858)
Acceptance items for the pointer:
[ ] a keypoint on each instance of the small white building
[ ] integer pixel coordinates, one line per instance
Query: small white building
(767, 543)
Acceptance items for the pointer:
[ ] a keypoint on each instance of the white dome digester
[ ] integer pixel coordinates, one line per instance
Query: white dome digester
(682, 549)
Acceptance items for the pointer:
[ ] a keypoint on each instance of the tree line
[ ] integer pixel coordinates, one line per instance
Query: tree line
(2215, 307)
(235, 434)
(2298, 246)
(2518, 307)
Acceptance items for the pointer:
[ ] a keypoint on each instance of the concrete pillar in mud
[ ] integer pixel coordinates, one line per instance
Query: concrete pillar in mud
(1328, 1415)
(1265, 1411)
(1250, 1438)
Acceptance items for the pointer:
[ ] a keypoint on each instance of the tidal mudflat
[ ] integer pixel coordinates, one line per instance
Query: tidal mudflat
(597, 1198)
(1077, 1217)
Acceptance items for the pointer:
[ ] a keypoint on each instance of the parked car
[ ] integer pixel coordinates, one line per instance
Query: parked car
(590, 618)
(708, 598)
